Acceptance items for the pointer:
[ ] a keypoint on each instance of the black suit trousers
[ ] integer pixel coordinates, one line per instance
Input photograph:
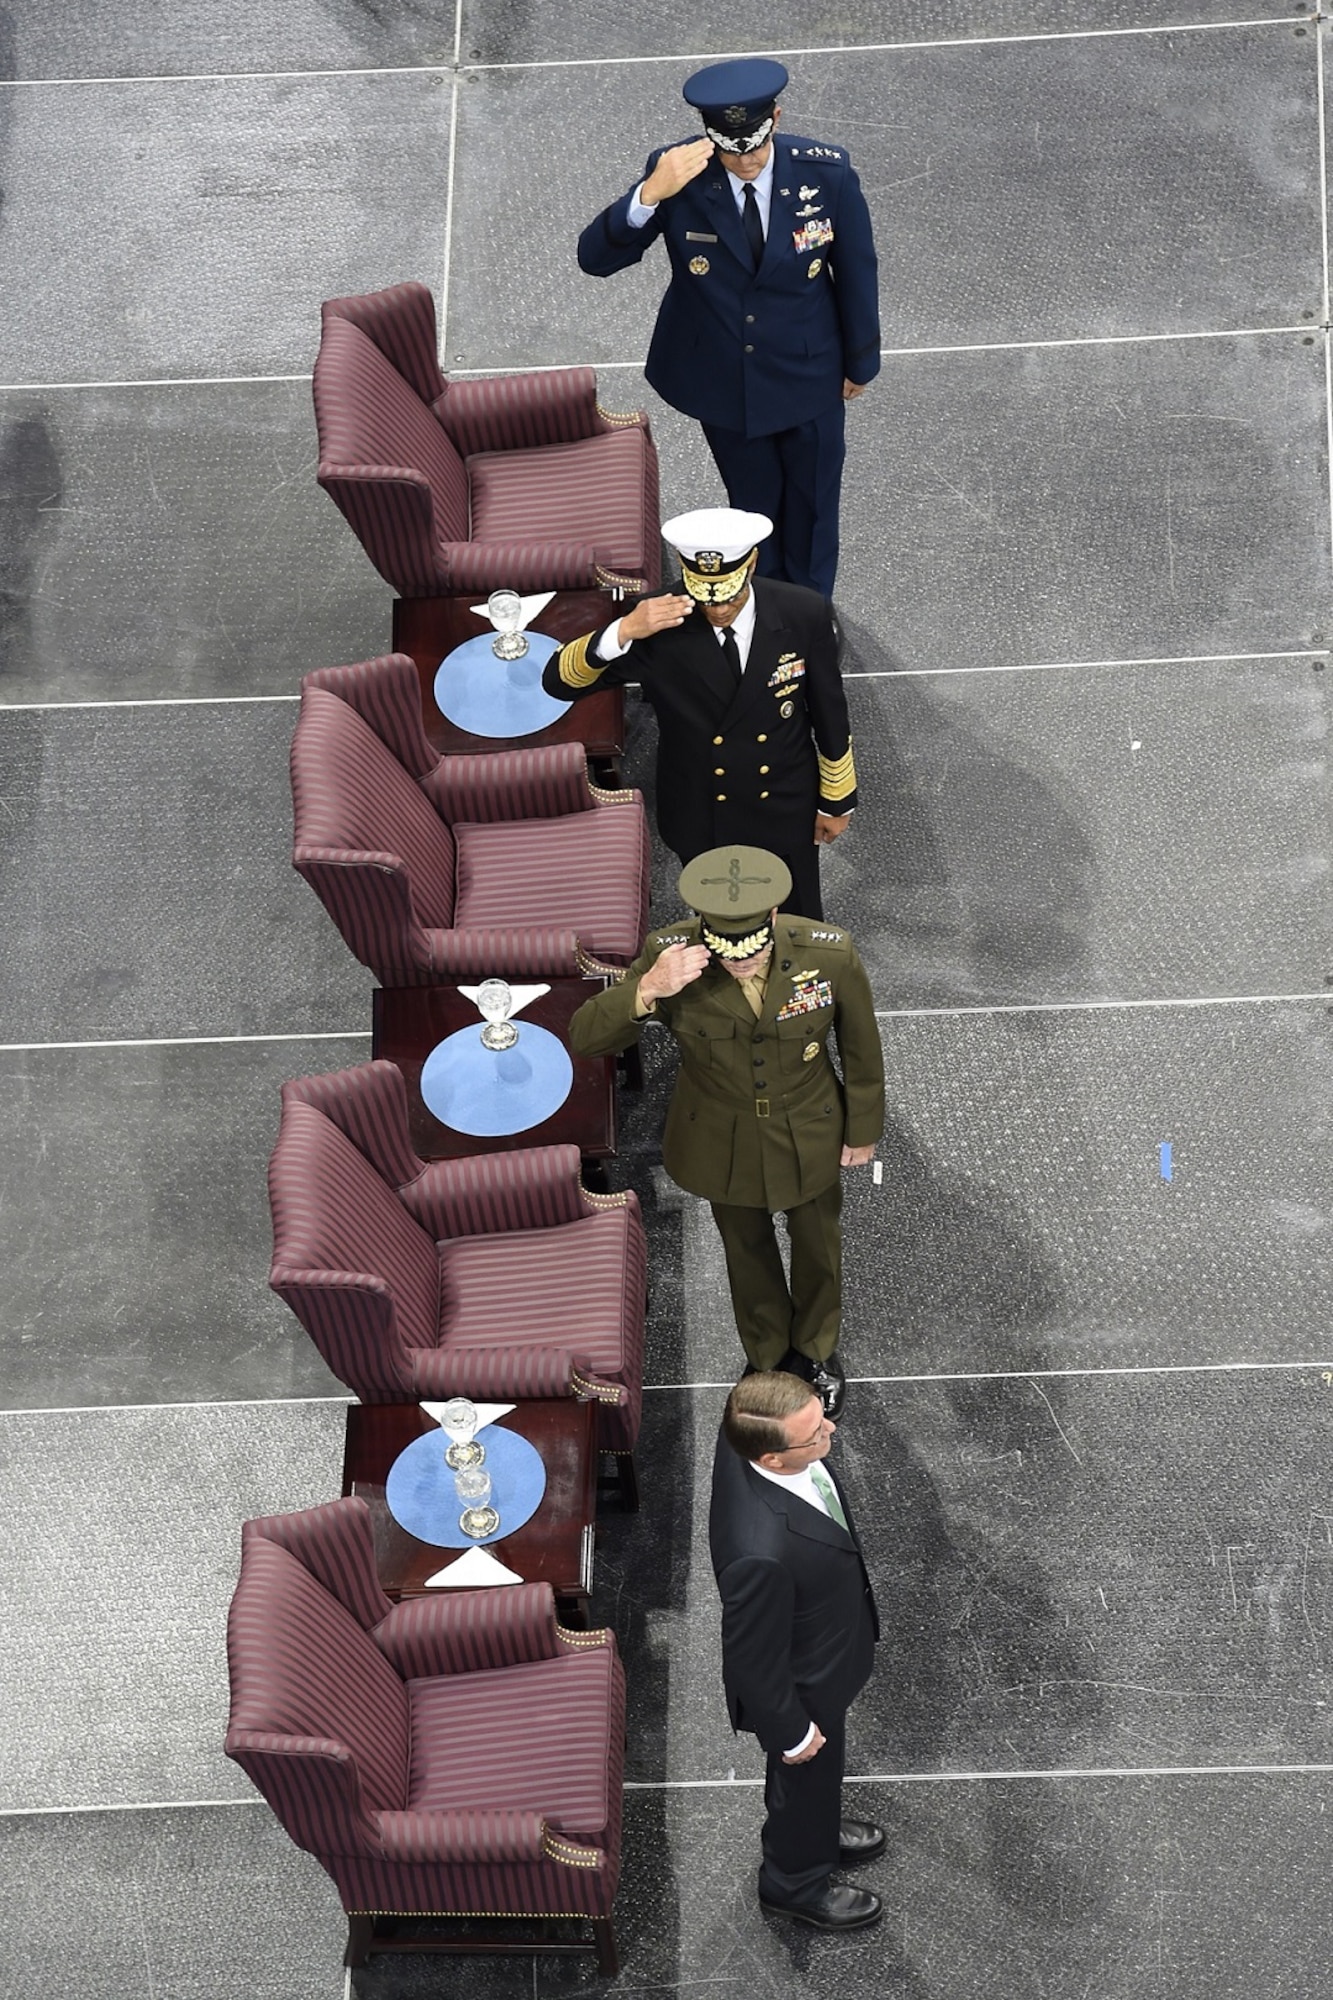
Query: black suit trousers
(804, 1801)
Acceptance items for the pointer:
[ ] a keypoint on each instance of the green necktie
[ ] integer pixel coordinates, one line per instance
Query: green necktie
(828, 1493)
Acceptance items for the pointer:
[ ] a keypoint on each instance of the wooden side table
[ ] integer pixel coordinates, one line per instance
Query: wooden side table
(408, 1021)
(426, 628)
(555, 1546)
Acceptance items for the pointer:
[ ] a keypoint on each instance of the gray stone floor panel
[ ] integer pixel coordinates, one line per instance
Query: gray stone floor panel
(1104, 833)
(192, 229)
(147, 886)
(1100, 503)
(1022, 1221)
(515, 31)
(1139, 197)
(187, 37)
(211, 1904)
(121, 1556)
(134, 1225)
(172, 542)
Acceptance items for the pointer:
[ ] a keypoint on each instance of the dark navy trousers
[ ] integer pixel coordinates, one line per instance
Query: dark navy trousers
(795, 477)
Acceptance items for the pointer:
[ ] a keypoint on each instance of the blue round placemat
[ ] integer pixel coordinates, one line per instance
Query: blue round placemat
(490, 697)
(490, 1093)
(420, 1488)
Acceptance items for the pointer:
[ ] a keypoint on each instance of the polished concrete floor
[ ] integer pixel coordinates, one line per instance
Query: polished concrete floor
(1086, 583)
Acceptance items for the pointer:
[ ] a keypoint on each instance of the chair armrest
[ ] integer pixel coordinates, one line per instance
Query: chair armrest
(534, 1188)
(511, 784)
(518, 953)
(469, 1631)
(516, 412)
(523, 566)
(463, 1836)
(498, 1373)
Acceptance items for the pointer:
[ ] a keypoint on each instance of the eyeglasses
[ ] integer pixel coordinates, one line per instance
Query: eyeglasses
(804, 1444)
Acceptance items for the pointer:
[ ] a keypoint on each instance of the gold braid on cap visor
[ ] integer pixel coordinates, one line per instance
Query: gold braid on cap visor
(736, 948)
(716, 586)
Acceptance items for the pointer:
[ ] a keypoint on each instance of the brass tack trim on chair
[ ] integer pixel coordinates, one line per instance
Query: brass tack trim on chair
(587, 963)
(519, 1916)
(589, 1641)
(606, 1200)
(556, 1849)
(592, 1391)
(610, 579)
(606, 798)
(631, 418)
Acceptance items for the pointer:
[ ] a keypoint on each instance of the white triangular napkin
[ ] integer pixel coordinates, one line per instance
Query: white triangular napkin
(474, 1567)
(519, 995)
(487, 1413)
(531, 606)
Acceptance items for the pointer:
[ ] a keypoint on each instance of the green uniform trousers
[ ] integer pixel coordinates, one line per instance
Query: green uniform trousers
(772, 1315)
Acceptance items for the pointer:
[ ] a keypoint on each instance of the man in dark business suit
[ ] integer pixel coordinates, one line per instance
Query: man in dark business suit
(770, 325)
(754, 746)
(799, 1628)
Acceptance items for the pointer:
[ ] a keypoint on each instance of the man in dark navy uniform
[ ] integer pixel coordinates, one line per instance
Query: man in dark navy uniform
(770, 324)
(754, 745)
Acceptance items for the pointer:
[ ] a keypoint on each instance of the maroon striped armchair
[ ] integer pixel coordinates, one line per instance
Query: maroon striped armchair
(520, 480)
(454, 1755)
(452, 868)
(497, 1277)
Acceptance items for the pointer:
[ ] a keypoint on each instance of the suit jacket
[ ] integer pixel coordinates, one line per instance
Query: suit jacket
(744, 766)
(756, 351)
(799, 1622)
(758, 1117)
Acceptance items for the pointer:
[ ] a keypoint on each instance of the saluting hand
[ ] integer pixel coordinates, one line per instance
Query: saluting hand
(679, 965)
(678, 166)
(652, 614)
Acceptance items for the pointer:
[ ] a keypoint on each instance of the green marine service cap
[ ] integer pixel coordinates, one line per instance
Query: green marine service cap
(734, 889)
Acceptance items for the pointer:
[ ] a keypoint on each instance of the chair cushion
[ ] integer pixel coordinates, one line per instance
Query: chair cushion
(594, 491)
(368, 415)
(583, 872)
(574, 1285)
(302, 1666)
(532, 1737)
(351, 792)
(333, 1212)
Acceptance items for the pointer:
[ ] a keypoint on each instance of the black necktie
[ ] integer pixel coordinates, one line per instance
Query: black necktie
(754, 228)
(731, 654)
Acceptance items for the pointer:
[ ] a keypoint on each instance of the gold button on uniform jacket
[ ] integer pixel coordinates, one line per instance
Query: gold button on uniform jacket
(759, 1117)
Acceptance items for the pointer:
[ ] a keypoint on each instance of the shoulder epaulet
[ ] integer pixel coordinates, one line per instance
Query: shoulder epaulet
(828, 936)
(805, 149)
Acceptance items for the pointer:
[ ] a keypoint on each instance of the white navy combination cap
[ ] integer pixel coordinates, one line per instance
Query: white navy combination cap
(715, 545)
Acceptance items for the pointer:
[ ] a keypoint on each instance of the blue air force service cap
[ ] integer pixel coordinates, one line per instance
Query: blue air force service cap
(736, 101)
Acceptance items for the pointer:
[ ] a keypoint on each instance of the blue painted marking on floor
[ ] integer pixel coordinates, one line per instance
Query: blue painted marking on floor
(1164, 1159)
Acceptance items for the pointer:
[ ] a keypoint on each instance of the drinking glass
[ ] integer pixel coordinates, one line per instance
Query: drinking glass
(458, 1421)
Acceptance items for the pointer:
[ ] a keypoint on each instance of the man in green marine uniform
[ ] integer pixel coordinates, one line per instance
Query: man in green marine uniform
(759, 1123)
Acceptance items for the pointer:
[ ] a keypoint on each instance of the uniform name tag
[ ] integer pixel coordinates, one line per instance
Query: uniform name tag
(811, 235)
(699, 236)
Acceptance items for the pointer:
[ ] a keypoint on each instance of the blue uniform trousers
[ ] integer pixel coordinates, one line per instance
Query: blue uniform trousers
(795, 477)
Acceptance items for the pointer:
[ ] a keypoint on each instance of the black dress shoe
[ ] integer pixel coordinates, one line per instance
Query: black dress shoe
(859, 1840)
(830, 1384)
(838, 1906)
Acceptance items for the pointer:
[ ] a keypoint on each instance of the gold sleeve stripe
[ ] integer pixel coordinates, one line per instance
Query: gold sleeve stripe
(575, 670)
(837, 776)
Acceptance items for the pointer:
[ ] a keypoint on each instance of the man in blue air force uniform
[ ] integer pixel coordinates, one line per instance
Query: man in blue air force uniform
(770, 324)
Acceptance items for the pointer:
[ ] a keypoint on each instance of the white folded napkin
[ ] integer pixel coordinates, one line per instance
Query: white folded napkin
(530, 606)
(519, 996)
(474, 1567)
(487, 1413)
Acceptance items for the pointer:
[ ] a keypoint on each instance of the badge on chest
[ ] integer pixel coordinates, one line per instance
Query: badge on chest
(809, 994)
